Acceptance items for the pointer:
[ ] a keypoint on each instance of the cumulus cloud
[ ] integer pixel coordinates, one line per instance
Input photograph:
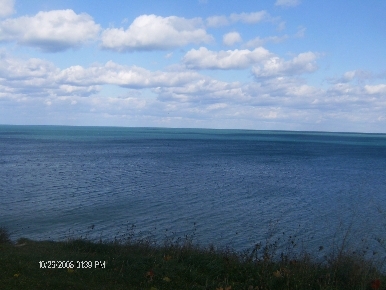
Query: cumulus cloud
(18, 74)
(275, 66)
(287, 3)
(282, 97)
(125, 76)
(50, 31)
(203, 91)
(6, 7)
(151, 32)
(231, 38)
(34, 68)
(203, 58)
(37, 78)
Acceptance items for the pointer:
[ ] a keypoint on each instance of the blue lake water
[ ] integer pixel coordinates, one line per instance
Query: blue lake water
(238, 187)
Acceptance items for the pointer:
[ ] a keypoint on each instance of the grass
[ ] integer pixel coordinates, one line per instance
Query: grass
(177, 264)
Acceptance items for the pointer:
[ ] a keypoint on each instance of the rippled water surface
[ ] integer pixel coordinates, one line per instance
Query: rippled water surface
(238, 186)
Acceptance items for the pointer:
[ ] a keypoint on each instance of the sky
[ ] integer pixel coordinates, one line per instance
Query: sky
(302, 65)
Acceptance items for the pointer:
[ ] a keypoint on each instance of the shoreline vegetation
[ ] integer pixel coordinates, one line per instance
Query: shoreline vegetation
(178, 263)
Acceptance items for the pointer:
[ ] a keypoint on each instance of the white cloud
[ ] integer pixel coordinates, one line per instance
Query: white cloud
(349, 75)
(301, 32)
(231, 38)
(357, 74)
(256, 42)
(274, 39)
(151, 32)
(246, 18)
(287, 99)
(186, 97)
(15, 69)
(125, 76)
(250, 18)
(169, 55)
(275, 66)
(217, 106)
(203, 91)
(287, 3)
(203, 58)
(354, 75)
(6, 7)
(217, 21)
(50, 31)
(40, 75)
(376, 89)
(37, 78)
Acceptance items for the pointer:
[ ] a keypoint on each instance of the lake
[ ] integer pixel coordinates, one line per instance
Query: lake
(228, 187)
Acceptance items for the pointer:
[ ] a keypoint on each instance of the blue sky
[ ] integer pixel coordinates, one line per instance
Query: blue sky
(277, 65)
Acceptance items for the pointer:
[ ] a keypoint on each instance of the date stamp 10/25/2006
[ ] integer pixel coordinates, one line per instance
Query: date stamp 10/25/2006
(72, 264)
